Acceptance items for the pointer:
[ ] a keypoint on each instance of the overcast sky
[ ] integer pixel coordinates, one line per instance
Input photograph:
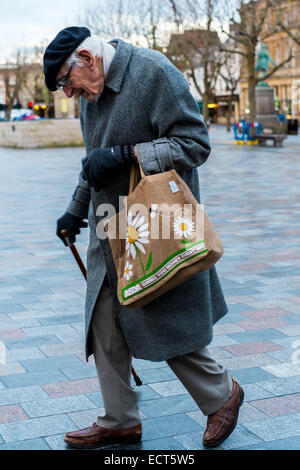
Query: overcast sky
(28, 22)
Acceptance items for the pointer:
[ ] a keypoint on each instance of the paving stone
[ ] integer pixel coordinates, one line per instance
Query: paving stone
(57, 362)
(71, 336)
(10, 413)
(255, 392)
(286, 369)
(57, 442)
(156, 444)
(11, 368)
(279, 405)
(62, 349)
(141, 364)
(285, 355)
(165, 426)
(222, 340)
(243, 362)
(48, 330)
(8, 308)
(252, 348)
(56, 305)
(226, 328)
(220, 353)
(292, 320)
(251, 375)
(144, 392)
(60, 319)
(86, 418)
(282, 386)
(168, 406)
(29, 444)
(9, 397)
(292, 330)
(231, 317)
(78, 326)
(279, 427)
(266, 313)
(169, 388)
(53, 406)
(36, 427)
(31, 341)
(291, 443)
(79, 372)
(75, 387)
(20, 323)
(149, 376)
(38, 314)
(267, 334)
(21, 354)
(96, 398)
(262, 324)
(33, 378)
(11, 334)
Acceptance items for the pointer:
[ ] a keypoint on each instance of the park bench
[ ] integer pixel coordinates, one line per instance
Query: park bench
(275, 139)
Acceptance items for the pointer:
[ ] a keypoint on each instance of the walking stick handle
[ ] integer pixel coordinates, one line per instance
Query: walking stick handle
(65, 235)
(74, 252)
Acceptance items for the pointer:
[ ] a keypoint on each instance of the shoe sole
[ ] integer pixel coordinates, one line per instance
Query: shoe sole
(233, 425)
(119, 440)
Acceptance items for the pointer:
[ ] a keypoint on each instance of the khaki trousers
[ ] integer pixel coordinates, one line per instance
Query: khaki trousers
(207, 382)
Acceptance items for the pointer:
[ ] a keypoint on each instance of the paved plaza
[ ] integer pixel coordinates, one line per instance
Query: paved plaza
(46, 387)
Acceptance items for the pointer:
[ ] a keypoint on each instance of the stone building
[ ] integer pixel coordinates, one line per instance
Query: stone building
(24, 84)
(187, 51)
(286, 81)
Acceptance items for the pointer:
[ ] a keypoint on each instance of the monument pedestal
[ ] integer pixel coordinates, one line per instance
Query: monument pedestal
(265, 110)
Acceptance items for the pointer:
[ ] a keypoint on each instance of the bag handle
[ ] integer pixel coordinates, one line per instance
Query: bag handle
(136, 173)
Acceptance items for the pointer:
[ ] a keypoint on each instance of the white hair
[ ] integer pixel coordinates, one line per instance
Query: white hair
(92, 44)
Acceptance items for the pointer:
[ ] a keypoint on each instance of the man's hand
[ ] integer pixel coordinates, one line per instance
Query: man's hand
(103, 162)
(72, 224)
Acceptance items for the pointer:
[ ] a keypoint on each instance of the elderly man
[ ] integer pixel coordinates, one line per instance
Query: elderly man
(135, 102)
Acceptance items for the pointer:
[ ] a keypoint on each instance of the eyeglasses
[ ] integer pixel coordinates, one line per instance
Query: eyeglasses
(64, 80)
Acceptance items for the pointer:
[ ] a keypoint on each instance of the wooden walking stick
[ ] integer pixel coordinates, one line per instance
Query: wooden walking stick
(83, 270)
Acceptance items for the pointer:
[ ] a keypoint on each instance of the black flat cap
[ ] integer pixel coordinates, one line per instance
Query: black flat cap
(57, 52)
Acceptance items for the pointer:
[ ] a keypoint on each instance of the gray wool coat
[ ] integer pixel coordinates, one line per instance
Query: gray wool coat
(146, 101)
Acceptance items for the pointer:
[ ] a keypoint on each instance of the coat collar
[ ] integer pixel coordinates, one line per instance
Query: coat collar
(118, 65)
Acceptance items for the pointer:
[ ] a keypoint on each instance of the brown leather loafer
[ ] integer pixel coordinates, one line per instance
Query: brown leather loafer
(221, 423)
(95, 436)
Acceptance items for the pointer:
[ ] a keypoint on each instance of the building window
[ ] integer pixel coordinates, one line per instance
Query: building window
(278, 54)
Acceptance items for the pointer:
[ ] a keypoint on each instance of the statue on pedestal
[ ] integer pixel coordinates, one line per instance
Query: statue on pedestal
(263, 59)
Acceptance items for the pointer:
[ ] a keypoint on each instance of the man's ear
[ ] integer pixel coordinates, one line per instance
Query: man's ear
(86, 57)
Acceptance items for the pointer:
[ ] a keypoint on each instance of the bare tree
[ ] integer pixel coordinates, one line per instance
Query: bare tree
(286, 22)
(231, 76)
(247, 32)
(197, 49)
(145, 24)
(14, 76)
(37, 88)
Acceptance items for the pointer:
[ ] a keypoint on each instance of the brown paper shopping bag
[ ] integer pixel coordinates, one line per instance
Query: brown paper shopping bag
(160, 239)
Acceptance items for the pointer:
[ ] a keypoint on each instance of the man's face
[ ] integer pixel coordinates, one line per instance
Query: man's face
(86, 80)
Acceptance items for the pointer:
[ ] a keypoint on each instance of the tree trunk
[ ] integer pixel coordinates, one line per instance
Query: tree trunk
(251, 87)
(205, 108)
(229, 114)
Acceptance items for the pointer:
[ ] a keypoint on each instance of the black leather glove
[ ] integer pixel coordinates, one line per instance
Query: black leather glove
(103, 162)
(72, 224)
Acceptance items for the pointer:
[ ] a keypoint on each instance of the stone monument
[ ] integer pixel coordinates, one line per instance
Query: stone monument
(264, 95)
